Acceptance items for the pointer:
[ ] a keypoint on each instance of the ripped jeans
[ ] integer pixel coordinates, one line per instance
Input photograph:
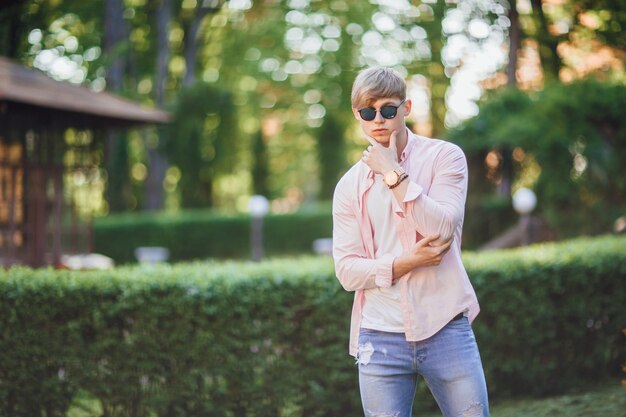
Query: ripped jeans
(449, 362)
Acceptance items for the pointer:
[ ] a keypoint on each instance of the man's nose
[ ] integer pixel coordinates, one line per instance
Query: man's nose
(379, 117)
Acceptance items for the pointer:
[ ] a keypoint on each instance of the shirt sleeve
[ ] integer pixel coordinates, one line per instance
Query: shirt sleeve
(354, 268)
(441, 210)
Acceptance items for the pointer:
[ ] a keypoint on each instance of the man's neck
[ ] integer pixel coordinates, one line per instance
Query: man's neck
(401, 140)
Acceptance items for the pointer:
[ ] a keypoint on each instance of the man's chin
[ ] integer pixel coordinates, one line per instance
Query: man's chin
(382, 139)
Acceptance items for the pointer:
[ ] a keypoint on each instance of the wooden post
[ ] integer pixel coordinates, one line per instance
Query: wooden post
(36, 219)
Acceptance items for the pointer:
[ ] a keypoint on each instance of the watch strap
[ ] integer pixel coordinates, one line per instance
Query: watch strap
(402, 178)
(399, 172)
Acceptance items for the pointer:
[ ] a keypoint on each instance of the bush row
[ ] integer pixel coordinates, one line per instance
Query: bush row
(193, 235)
(552, 315)
(270, 339)
(197, 235)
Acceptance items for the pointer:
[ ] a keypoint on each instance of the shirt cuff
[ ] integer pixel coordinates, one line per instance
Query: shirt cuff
(412, 192)
(384, 271)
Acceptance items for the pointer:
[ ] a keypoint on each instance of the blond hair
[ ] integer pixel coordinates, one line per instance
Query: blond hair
(376, 83)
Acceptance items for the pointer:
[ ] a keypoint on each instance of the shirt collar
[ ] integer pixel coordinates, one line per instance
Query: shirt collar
(410, 144)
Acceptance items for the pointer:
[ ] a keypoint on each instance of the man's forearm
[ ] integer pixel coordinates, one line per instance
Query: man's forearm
(403, 265)
(423, 253)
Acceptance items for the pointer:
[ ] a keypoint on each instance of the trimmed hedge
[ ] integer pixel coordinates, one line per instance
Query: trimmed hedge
(552, 315)
(270, 339)
(191, 340)
(195, 235)
(203, 234)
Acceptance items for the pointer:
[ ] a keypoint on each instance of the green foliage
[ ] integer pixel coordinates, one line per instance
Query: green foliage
(118, 190)
(575, 134)
(500, 114)
(195, 340)
(552, 315)
(201, 141)
(331, 156)
(270, 338)
(610, 16)
(203, 234)
(260, 167)
(486, 218)
(280, 63)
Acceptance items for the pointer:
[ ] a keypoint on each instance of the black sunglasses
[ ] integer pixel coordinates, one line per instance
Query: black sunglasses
(388, 112)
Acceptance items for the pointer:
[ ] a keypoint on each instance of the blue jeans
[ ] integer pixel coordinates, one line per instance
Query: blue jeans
(449, 362)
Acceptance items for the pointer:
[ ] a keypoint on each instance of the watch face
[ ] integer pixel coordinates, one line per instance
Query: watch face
(391, 178)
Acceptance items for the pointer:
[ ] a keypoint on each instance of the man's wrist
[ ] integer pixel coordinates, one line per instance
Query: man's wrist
(402, 178)
(394, 177)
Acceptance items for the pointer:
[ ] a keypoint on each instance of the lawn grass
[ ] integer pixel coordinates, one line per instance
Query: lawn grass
(608, 400)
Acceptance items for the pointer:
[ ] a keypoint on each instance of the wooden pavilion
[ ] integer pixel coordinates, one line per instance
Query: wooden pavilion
(51, 149)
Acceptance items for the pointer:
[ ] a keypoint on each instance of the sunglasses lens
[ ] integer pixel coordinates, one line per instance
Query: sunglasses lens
(367, 114)
(388, 112)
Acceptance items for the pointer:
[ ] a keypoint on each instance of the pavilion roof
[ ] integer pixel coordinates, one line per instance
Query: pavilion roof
(32, 87)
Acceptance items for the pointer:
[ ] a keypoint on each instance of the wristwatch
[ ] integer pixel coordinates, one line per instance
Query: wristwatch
(393, 178)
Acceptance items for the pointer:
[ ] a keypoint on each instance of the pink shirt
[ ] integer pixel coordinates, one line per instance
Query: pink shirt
(434, 203)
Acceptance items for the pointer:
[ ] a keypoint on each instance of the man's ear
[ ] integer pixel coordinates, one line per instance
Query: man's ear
(356, 113)
(407, 107)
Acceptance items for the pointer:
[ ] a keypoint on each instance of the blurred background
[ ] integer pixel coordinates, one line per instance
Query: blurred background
(183, 130)
(258, 101)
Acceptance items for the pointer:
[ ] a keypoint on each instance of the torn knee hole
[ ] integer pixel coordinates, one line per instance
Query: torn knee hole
(474, 410)
(396, 414)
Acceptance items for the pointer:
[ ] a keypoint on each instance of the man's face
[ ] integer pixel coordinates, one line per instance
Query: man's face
(380, 128)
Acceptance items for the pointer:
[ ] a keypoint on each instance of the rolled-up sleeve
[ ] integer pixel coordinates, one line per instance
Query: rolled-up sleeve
(354, 268)
(441, 210)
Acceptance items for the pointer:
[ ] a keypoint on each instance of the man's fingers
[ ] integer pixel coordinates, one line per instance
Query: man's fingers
(393, 138)
(446, 246)
(427, 240)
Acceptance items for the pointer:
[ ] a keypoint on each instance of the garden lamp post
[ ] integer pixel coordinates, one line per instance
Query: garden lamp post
(259, 206)
(524, 202)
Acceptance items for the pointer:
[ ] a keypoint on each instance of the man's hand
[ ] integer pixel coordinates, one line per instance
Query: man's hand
(428, 254)
(379, 158)
(423, 253)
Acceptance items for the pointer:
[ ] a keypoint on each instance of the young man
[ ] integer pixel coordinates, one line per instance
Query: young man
(397, 222)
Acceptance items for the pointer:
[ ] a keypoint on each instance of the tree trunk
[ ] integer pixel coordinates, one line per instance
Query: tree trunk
(157, 161)
(190, 40)
(439, 81)
(547, 44)
(260, 167)
(190, 44)
(115, 34)
(515, 43)
(12, 28)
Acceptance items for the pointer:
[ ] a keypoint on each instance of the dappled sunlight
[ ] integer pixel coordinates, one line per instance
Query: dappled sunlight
(277, 76)
(59, 55)
(586, 57)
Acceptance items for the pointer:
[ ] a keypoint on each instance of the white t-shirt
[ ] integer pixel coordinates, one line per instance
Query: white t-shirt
(382, 309)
